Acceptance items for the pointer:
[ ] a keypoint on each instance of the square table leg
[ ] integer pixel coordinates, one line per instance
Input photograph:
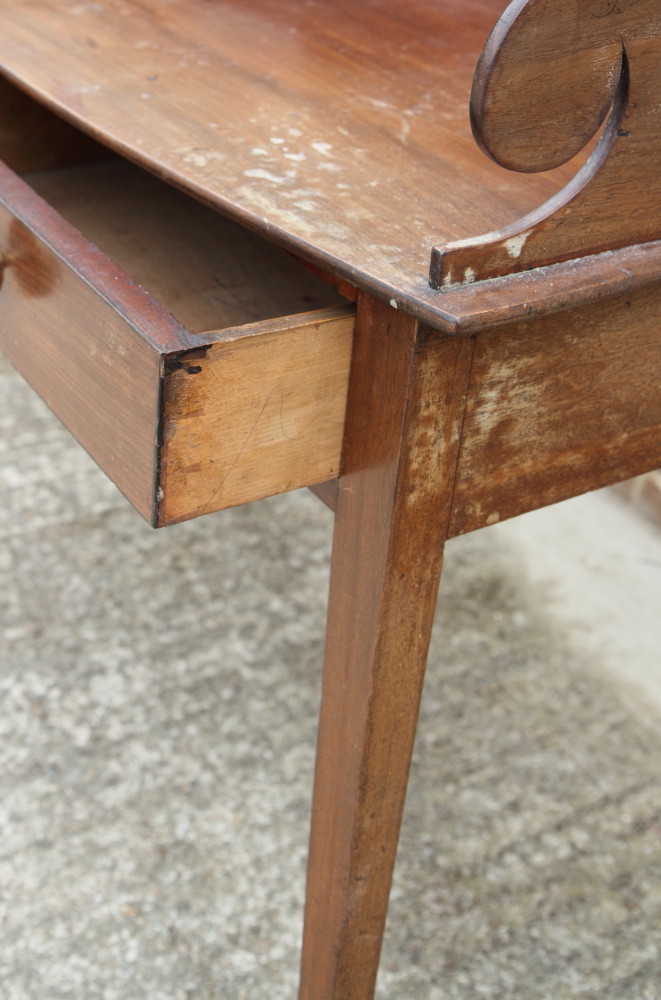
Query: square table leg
(406, 403)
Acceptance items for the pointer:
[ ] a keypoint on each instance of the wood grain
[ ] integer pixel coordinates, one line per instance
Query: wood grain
(259, 412)
(560, 406)
(547, 78)
(340, 130)
(406, 401)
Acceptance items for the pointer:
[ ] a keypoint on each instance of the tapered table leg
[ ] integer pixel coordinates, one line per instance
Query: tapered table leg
(406, 402)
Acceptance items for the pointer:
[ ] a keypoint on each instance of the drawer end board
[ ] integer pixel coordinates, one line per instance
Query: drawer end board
(258, 412)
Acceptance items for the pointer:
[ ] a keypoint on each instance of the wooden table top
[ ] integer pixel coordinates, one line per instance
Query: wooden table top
(339, 129)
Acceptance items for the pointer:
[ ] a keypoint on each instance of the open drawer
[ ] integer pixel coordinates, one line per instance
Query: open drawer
(240, 396)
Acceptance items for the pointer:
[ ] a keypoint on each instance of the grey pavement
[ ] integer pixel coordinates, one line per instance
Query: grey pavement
(158, 696)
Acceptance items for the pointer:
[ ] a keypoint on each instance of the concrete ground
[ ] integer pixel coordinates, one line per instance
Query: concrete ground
(158, 696)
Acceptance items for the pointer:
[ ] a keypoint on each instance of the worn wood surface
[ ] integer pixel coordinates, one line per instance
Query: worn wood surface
(406, 401)
(341, 129)
(556, 288)
(200, 265)
(559, 406)
(546, 80)
(259, 412)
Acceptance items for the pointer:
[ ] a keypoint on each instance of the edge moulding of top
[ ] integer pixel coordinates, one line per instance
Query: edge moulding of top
(551, 72)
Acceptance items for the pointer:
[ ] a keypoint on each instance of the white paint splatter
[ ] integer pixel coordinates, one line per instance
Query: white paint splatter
(298, 157)
(393, 303)
(322, 147)
(515, 244)
(469, 275)
(264, 175)
(200, 158)
(276, 140)
(259, 151)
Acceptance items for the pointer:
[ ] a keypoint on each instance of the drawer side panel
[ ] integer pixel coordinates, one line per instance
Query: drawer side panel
(82, 356)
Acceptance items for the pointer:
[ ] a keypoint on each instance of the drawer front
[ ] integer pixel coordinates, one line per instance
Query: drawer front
(183, 423)
(84, 336)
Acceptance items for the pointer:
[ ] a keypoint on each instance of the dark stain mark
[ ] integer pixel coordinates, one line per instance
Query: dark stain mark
(176, 362)
(35, 267)
(173, 364)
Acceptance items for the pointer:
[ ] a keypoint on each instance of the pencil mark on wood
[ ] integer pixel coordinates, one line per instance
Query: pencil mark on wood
(613, 8)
